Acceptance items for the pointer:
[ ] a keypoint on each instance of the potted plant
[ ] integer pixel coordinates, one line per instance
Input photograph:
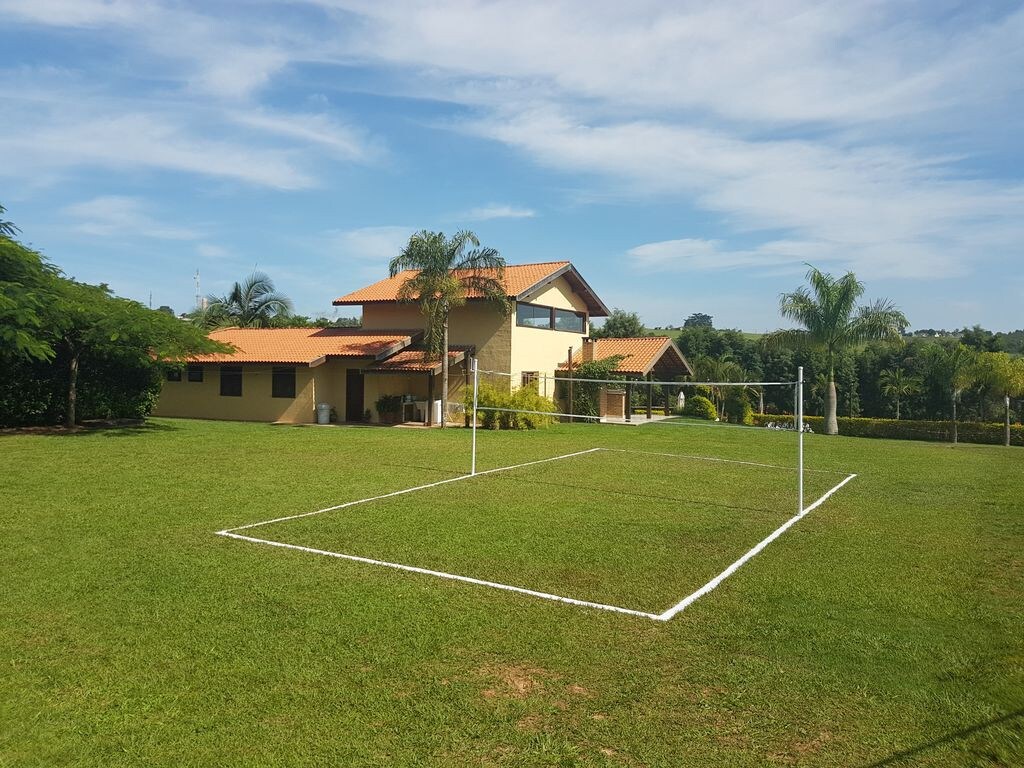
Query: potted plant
(389, 408)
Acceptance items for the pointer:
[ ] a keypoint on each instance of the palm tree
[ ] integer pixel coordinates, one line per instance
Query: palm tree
(711, 369)
(896, 384)
(1005, 375)
(832, 322)
(253, 303)
(444, 272)
(7, 228)
(957, 368)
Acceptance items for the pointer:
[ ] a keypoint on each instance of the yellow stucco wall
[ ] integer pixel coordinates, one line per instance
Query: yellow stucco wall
(202, 400)
(323, 384)
(477, 324)
(542, 349)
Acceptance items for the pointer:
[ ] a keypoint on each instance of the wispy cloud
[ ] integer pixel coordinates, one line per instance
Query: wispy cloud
(496, 211)
(117, 216)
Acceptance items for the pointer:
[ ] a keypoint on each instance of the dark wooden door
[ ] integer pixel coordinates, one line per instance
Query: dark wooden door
(353, 394)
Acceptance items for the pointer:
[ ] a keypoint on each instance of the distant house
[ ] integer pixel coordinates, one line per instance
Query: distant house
(281, 374)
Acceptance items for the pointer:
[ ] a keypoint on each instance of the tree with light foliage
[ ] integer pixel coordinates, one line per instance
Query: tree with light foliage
(620, 325)
(831, 322)
(443, 271)
(1005, 376)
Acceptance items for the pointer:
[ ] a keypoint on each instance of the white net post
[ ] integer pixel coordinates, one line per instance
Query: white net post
(472, 418)
(800, 436)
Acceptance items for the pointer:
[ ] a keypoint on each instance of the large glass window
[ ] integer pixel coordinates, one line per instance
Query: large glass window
(537, 316)
(195, 373)
(231, 381)
(533, 316)
(283, 382)
(567, 320)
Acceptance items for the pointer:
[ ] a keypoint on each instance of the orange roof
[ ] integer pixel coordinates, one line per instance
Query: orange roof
(415, 361)
(640, 355)
(520, 280)
(304, 345)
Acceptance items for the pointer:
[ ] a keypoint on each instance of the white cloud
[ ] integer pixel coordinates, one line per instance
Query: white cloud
(374, 246)
(315, 129)
(118, 216)
(496, 211)
(211, 251)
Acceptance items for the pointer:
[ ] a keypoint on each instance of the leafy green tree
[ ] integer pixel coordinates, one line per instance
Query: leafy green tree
(717, 372)
(956, 367)
(90, 320)
(698, 320)
(252, 303)
(620, 325)
(832, 321)
(443, 272)
(27, 282)
(7, 229)
(895, 383)
(1005, 376)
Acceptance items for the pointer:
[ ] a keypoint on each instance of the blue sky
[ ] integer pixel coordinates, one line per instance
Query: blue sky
(687, 157)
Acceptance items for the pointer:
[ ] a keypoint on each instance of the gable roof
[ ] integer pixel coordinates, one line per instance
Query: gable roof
(307, 346)
(641, 355)
(521, 282)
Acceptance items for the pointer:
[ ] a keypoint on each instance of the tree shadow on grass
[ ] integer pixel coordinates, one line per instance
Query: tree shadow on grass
(913, 752)
(104, 428)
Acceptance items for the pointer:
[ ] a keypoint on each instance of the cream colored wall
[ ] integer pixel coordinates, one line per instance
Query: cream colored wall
(202, 400)
(542, 349)
(559, 294)
(477, 324)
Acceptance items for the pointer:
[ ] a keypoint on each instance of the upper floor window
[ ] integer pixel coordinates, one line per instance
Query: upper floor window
(537, 316)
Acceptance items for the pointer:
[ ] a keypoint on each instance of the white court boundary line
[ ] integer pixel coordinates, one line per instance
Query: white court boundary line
(664, 616)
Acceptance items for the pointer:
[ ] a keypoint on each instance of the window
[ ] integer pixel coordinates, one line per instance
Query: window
(536, 316)
(530, 378)
(231, 381)
(283, 382)
(173, 374)
(195, 373)
(533, 316)
(566, 320)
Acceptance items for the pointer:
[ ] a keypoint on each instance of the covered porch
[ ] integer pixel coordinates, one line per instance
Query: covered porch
(407, 385)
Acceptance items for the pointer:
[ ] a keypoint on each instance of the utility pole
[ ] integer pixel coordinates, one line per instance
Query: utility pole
(198, 292)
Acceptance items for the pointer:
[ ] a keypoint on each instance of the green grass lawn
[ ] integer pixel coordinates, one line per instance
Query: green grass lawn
(886, 627)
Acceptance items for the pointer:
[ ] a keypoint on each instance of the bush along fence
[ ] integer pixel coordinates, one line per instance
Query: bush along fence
(905, 429)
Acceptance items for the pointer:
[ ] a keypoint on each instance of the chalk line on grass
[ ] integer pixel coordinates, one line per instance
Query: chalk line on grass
(444, 575)
(691, 598)
(663, 617)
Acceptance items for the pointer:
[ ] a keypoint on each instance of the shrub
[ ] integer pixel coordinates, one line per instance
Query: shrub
(523, 399)
(738, 408)
(907, 429)
(700, 406)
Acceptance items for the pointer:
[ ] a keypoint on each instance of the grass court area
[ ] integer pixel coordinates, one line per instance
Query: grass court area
(884, 628)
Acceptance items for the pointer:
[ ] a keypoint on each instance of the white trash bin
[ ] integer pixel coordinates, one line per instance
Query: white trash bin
(323, 413)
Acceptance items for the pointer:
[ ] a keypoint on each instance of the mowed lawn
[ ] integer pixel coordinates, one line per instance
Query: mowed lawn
(885, 628)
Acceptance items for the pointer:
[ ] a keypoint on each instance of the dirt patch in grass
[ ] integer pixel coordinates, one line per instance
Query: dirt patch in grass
(512, 681)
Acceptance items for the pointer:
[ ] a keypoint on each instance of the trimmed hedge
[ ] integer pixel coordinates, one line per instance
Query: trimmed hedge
(701, 407)
(986, 433)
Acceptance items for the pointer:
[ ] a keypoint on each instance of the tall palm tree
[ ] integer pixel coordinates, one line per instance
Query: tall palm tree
(716, 370)
(957, 367)
(832, 321)
(895, 383)
(1005, 375)
(443, 273)
(253, 303)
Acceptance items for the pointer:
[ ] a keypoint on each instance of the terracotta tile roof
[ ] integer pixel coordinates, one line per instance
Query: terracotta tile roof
(521, 280)
(518, 278)
(415, 361)
(304, 345)
(640, 355)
